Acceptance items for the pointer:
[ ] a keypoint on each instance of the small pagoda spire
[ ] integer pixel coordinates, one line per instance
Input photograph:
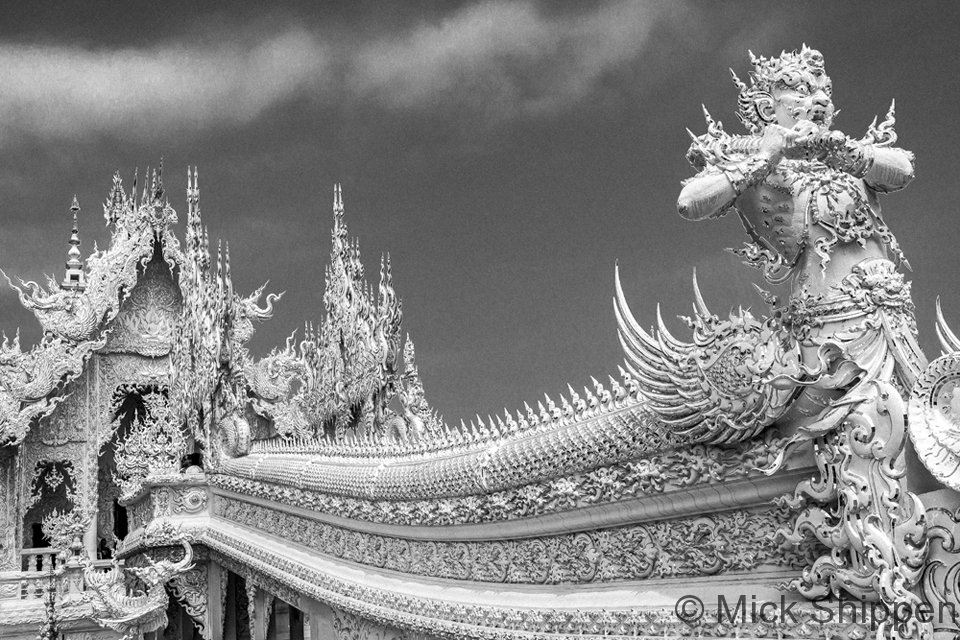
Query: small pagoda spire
(74, 278)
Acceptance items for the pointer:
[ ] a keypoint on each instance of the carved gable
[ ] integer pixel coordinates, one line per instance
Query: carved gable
(147, 319)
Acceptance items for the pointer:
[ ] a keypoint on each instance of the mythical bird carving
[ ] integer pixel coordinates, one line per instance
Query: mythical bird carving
(737, 377)
(134, 614)
(29, 380)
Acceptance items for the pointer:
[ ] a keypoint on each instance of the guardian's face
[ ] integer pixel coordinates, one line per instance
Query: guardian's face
(800, 95)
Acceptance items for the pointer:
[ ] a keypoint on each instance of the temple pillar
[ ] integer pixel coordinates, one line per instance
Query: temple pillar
(278, 628)
(90, 535)
(262, 604)
(216, 596)
(234, 607)
(9, 521)
(320, 624)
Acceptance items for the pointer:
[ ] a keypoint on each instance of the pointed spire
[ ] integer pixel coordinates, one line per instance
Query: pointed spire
(74, 278)
(193, 189)
(133, 189)
(156, 184)
(337, 206)
(146, 189)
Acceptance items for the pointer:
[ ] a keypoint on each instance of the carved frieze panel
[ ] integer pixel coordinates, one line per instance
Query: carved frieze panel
(733, 541)
(448, 619)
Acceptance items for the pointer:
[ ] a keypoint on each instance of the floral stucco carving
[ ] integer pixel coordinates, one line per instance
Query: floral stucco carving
(705, 545)
(190, 588)
(457, 621)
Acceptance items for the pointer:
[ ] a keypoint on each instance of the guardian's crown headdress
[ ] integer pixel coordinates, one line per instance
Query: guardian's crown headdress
(756, 101)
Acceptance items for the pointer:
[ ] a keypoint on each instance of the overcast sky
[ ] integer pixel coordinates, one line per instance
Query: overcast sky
(504, 154)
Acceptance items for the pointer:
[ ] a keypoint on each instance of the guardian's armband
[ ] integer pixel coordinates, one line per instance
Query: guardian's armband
(853, 158)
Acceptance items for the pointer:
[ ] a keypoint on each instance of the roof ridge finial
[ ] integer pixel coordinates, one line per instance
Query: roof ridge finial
(157, 187)
(116, 202)
(337, 201)
(145, 193)
(193, 189)
(133, 189)
(74, 278)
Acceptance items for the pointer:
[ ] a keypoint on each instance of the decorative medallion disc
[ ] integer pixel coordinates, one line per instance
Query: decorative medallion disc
(934, 418)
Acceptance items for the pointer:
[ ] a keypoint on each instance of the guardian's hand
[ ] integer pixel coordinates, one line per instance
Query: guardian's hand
(778, 142)
(807, 132)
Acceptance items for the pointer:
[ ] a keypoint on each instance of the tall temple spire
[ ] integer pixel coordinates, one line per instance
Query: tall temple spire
(74, 278)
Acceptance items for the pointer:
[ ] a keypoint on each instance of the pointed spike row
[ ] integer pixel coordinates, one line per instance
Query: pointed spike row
(337, 205)
(672, 347)
(948, 339)
(741, 86)
(626, 323)
(706, 116)
(700, 306)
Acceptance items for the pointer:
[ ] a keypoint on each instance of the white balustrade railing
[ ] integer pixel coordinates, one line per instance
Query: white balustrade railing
(33, 580)
(38, 568)
(41, 559)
